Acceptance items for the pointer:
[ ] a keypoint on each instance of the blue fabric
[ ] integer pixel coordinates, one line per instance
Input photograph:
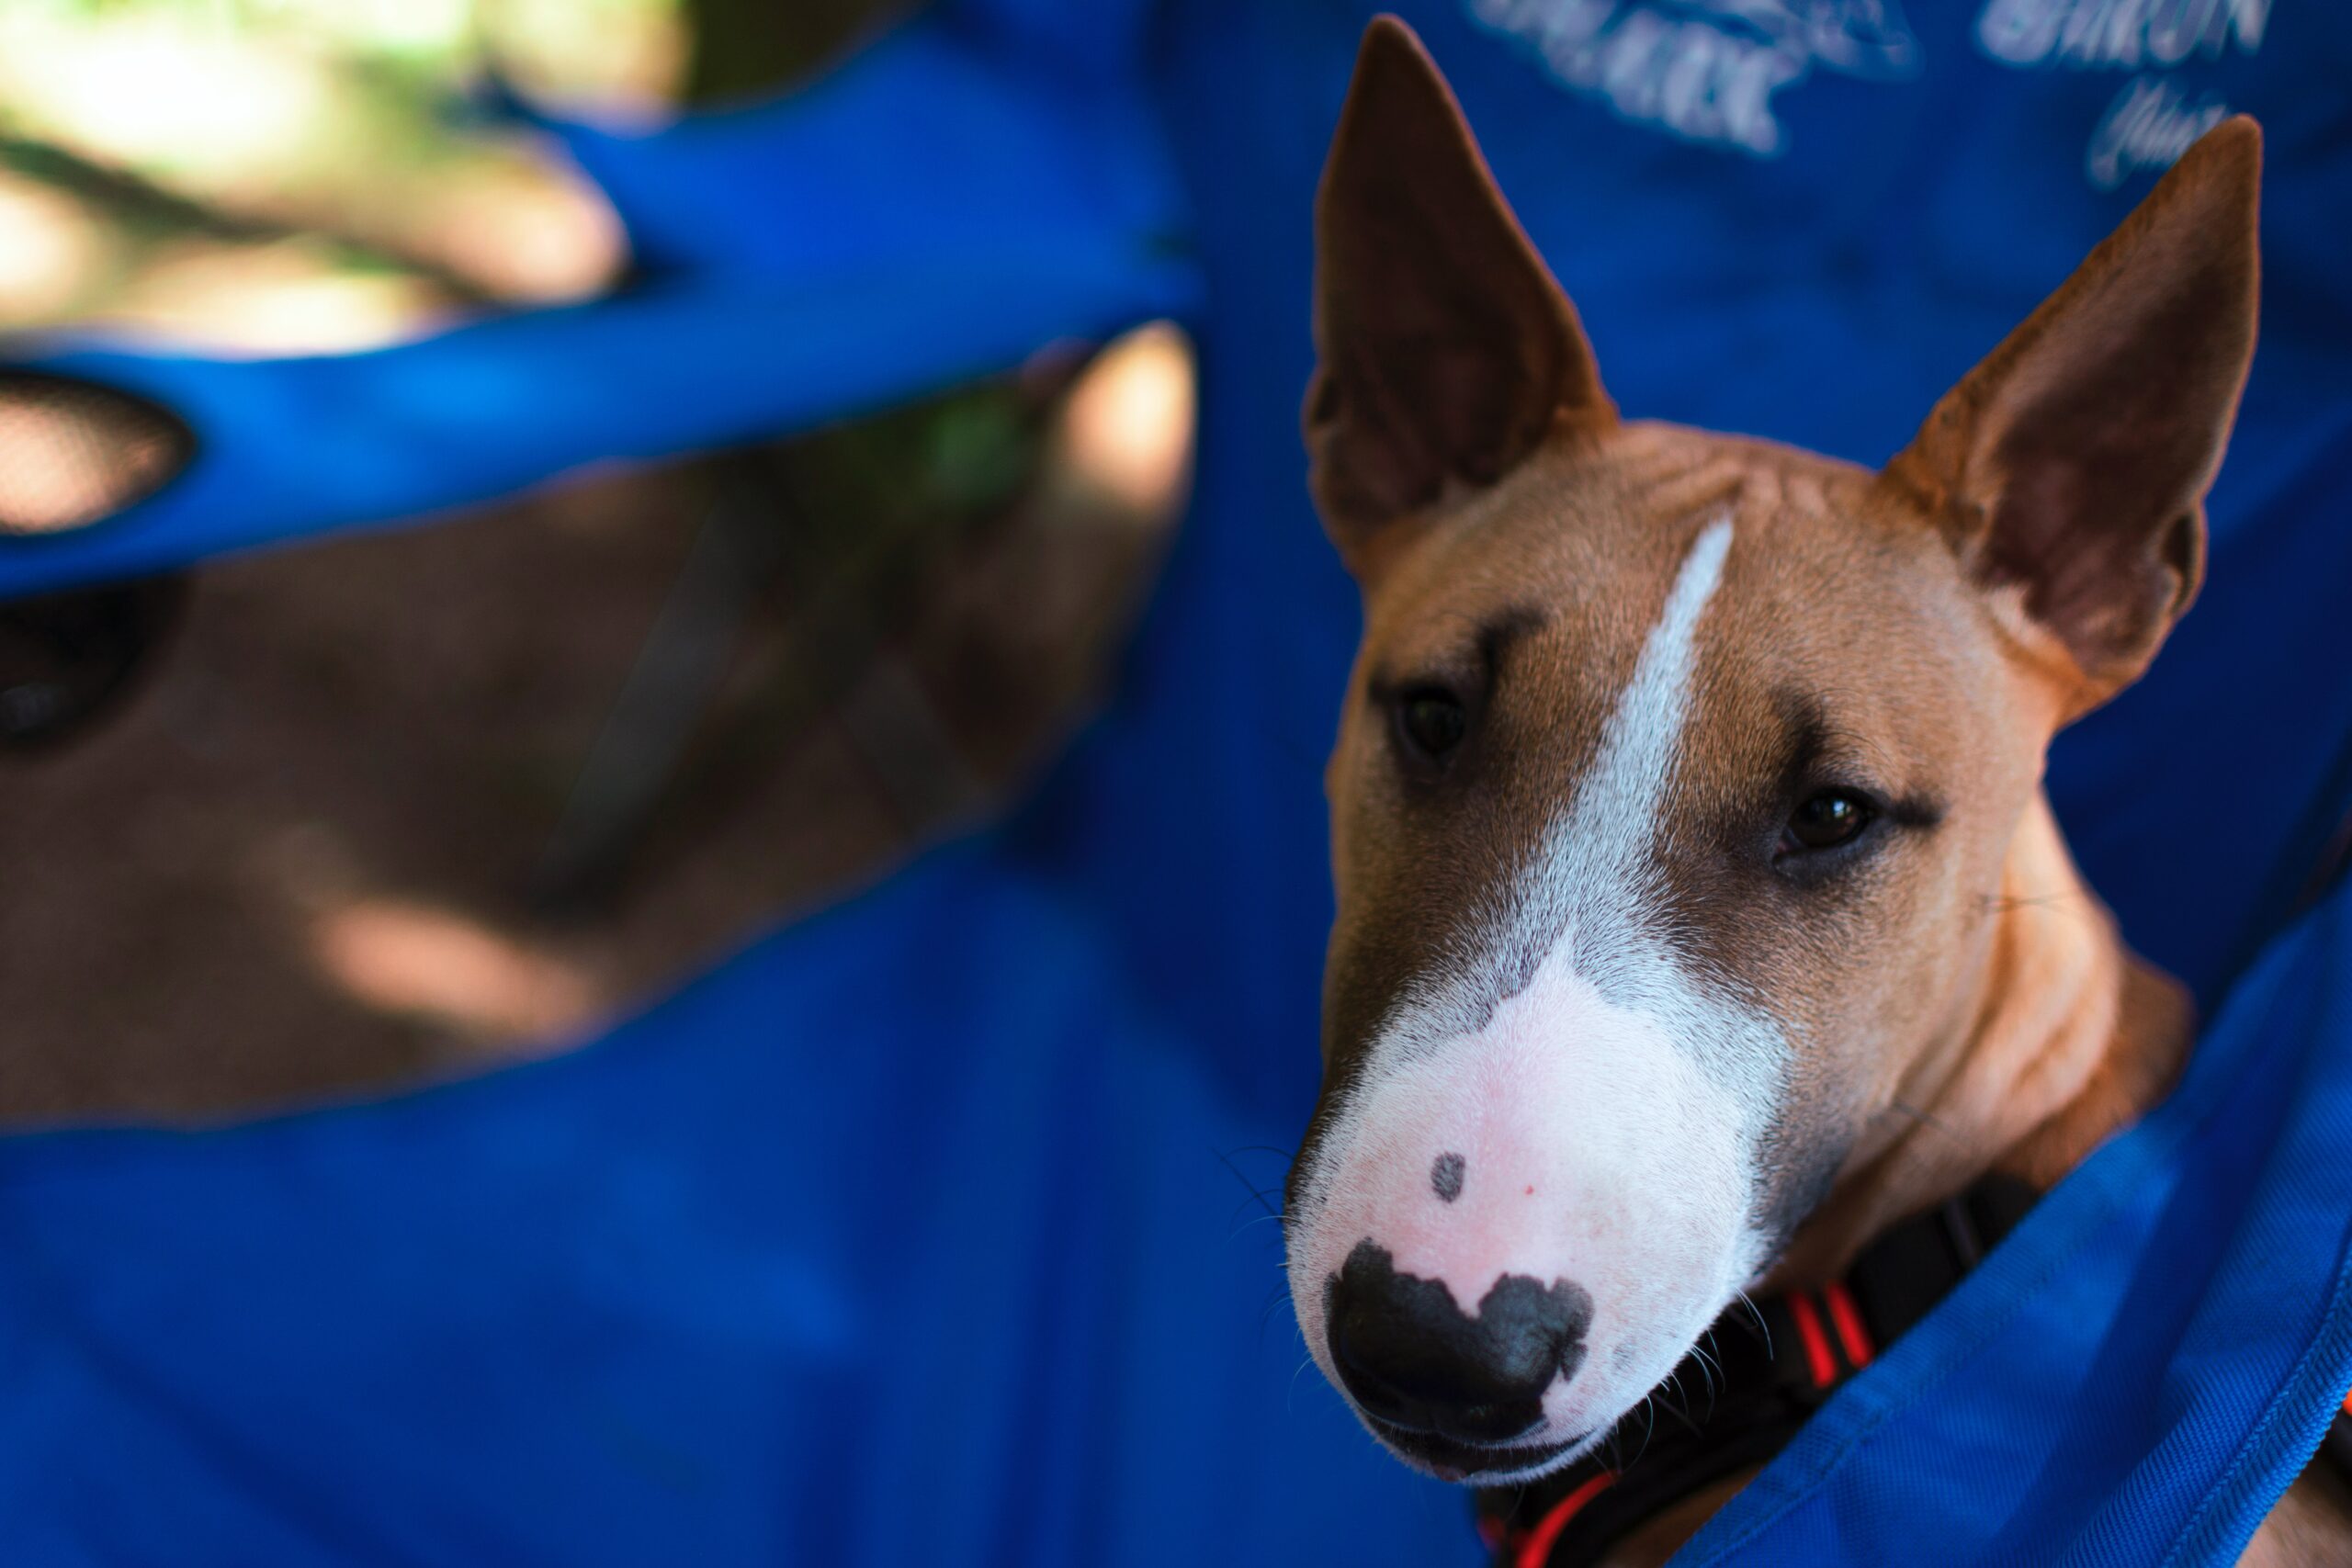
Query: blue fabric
(709, 1292)
(797, 263)
(1006, 150)
(908, 1233)
(2146, 1364)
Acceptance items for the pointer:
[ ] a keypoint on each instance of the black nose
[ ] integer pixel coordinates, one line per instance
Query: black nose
(1412, 1357)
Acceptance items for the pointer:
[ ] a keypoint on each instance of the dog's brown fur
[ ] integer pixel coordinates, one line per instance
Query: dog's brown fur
(1962, 1002)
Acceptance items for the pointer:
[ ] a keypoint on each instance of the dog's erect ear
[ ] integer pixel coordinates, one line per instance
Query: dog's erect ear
(2073, 463)
(1446, 350)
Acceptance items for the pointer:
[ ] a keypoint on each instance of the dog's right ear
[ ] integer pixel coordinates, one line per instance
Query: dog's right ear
(1446, 351)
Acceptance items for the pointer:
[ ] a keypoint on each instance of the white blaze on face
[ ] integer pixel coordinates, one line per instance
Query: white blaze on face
(1606, 1115)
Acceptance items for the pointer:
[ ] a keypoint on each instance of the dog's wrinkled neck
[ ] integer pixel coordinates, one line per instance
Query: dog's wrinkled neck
(2069, 1038)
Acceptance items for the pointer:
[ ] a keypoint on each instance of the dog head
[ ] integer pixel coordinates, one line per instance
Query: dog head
(1678, 772)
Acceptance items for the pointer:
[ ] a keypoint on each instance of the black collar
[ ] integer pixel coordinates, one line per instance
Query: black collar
(1741, 1406)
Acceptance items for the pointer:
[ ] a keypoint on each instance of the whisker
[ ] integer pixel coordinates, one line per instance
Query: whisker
(1757, 1313)
(1649, 1429)
(1259, 1197)
(1680, 1405)
(1290, 1399)
(1925, 1119)
(1256, 1193)
(1713, 1367)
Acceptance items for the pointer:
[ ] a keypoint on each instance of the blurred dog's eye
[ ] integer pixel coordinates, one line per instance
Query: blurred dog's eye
(1432, 723)
(1828, 820)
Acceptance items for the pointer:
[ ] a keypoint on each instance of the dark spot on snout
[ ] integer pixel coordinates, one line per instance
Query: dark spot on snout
(1445, 1177)
(1415, 1362)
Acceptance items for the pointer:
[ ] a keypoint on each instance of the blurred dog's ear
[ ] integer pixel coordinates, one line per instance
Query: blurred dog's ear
(2071, 464)
(1446, 350)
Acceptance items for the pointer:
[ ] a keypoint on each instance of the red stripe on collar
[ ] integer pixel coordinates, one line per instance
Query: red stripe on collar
(1536, 1549)
(1851, 1334)
(1819, 1359)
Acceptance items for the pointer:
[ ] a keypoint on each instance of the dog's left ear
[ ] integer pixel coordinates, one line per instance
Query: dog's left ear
(1446, 350)
(2074, 462)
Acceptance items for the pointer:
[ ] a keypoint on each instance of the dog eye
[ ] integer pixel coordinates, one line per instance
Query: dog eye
(1432, 723)
(1826, 819)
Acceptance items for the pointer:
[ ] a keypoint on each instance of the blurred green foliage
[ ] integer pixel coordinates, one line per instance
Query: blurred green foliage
(425, 41)
(742, 48)
(294, 174)
(878, 498)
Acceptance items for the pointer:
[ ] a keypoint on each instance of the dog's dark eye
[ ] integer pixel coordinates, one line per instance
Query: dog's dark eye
(1831, 817)
(1432, 723)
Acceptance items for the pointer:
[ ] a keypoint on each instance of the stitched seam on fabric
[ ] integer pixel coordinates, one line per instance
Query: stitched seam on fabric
(2334, 1327)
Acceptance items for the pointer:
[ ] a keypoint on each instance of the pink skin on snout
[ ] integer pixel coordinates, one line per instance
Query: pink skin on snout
(1594, 1148)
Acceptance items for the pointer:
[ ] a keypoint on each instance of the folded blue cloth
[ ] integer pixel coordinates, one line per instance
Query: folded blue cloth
(913, 1234)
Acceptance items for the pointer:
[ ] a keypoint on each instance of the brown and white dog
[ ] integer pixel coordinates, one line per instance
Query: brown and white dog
(1700, 911)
